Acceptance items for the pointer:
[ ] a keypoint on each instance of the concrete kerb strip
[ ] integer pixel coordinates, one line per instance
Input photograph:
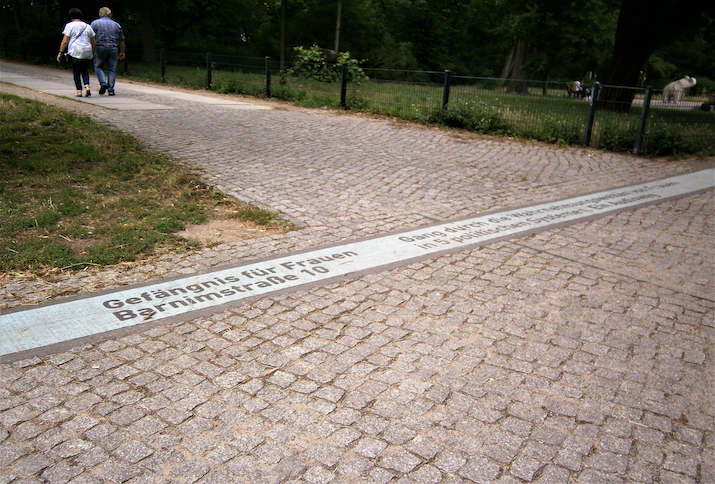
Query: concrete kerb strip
(45, 328)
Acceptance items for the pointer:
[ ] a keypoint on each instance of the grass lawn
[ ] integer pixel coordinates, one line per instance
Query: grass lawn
(74, 193)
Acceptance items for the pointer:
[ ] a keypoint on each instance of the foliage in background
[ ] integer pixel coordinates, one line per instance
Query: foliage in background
(691, 57)
(311, 64)
(74, 193)
(563, 39)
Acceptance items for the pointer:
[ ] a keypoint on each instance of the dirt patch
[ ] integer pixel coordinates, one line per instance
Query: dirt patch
(223, 226)
(221, 231)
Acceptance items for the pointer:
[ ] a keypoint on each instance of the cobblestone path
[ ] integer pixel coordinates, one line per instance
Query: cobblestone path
(581, 354)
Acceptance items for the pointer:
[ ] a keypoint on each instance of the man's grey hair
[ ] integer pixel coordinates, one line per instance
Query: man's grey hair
(105, 12)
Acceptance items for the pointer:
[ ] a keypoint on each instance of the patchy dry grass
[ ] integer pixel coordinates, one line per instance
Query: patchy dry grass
(74, 193)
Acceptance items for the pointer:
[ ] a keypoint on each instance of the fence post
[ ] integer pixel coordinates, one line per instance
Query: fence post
(162, 61)
(343, 84)
(209, 67)
(445, 91)
(591, 113)
(268, 76)
(644, 119)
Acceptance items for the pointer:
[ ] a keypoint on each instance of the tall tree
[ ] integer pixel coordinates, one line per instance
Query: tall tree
(567, 33)
(337, 26)
(518, 83)
(644, 26)
(429, 27)
(17, 15)
(284, 46)
(147, 31)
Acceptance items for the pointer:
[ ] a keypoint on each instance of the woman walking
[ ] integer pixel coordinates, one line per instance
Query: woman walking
(79, 43)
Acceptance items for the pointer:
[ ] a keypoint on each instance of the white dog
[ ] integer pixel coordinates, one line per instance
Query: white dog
(676, 89)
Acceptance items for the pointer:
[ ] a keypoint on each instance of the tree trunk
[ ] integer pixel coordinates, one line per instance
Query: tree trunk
(284, 14)
(629, 55)
(337, 27)
(518, 82)
(17, 13)
(147, 30)
(545, 87)
(643, 26)
(508, 64)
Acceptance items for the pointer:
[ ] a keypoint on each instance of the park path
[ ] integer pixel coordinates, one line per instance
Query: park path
(582, 353)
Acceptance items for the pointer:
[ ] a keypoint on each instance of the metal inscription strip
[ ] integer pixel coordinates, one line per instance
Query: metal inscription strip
(36, 327)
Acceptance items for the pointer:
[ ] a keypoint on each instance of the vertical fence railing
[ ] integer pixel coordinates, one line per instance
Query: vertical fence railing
(268, 76)
(343, 85)
(643, 120)
(446, 88)
(162, 61)
(209, 70)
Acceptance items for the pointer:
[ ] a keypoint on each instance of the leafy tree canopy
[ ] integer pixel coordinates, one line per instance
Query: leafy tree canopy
(619, 41)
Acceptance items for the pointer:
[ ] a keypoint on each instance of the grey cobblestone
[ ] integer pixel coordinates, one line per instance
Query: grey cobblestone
(582, 353)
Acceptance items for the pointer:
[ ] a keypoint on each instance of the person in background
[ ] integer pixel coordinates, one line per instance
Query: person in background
(578, 86)
(79, 43)
(110, 49)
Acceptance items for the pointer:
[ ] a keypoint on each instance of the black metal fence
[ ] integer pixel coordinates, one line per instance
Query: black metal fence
(543, 110)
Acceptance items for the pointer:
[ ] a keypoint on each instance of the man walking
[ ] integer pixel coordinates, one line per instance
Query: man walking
(110, 49)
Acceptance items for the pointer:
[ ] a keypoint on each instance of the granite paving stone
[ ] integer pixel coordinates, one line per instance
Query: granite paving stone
(580, 353)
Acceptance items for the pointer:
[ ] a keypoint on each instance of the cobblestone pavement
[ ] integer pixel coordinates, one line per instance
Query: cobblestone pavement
(581, 354)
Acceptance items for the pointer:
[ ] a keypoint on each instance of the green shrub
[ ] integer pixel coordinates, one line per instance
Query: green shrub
(232, 86)
(311, 64)
(617, 140)
(318, 100)
(661, 142)
(356, 103)
(554, 132)
(287, 93)
(473, 117)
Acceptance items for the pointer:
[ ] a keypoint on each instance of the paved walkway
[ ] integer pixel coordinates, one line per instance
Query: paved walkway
(583, 353)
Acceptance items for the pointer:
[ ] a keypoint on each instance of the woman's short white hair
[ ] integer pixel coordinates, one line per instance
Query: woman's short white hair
(105, 12)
